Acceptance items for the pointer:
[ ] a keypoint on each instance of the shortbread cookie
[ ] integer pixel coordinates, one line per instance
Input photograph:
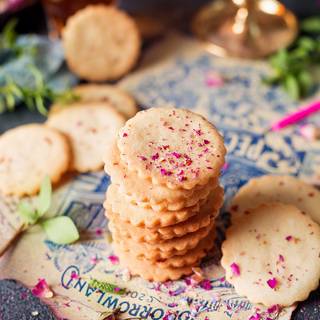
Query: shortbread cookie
(141, 217)
(101, 43)
(173, 147)
(91, 129)
(156, 235)
(166, 249)
(27, 154)
(191, 258)
(272, 255)
(148, 271)
(284, 189)
(145, 194)
(112, 94)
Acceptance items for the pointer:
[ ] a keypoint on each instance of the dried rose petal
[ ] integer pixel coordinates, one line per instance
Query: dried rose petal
(176, 154)
(74, 276)
(206, 284)
(273, 309)
(310, 132)
(42, 290)
(256, 316)
(272, 283)
(235, 269)
(289, 238)
(155, 156)
(113, 259)
(213, 80)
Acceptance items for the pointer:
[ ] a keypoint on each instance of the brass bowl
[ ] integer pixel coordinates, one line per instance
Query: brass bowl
(245, 28)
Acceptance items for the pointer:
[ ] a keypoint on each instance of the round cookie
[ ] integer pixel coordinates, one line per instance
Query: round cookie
(147, 270)
(145, 194)
(272, 255)
(284, 189)
(173, 147)
(101, 43)
(157, 235)
(91, 129)
(143, 217)
(27, 154)
(166, 249)
(112, 94)
(190, 258)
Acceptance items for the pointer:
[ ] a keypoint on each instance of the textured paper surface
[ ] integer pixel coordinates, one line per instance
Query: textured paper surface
(172, 73)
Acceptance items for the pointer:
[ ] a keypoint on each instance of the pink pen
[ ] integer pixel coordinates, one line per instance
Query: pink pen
(296, 116)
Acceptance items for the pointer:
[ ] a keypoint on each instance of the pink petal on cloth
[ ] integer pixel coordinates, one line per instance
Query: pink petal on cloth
(310, 132)
(206, 284)
(256, 316)
(113, 259)
(42, 290)
(214, 80)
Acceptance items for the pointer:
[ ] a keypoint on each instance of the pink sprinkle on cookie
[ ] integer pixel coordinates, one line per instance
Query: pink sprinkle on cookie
(161, 142)
(272, 283)
(235, 269)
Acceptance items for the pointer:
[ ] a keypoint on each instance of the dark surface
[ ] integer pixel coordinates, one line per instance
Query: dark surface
(310, 309)
(20, 116)
(18, 302)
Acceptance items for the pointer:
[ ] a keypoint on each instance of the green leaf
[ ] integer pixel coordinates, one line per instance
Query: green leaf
(305, 82)
(61, 230)
(9, 35)
(280, 60)
(106, 287)
(311, 25)
(27, 213)
(43, 201)
(291, 85)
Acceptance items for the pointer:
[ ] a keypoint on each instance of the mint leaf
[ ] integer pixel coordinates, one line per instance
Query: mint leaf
(61, 230)
(311, 25)
(27, 213)
(43, 201)
(291, 85)
(106, 287)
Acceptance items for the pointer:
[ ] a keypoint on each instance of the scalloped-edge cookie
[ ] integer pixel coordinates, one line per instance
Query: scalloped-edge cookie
(101, 43)
(27, 154)
(172, 147)
(91, 129)
(155, 235)
(163, 250)
(272, 255)
(191, 258)
(146, 269)
(284, 189)
(141, 217)
(112, 94)
(145, 194)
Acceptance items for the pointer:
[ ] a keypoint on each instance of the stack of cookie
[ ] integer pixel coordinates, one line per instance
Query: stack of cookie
(164, 195)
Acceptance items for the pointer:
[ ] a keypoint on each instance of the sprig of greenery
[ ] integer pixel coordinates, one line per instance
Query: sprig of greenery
(36, 97)
(60, 230)
(8, 40)
(292, 68)
(106, 287)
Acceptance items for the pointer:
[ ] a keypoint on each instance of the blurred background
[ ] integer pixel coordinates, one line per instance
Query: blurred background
(32, 14)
